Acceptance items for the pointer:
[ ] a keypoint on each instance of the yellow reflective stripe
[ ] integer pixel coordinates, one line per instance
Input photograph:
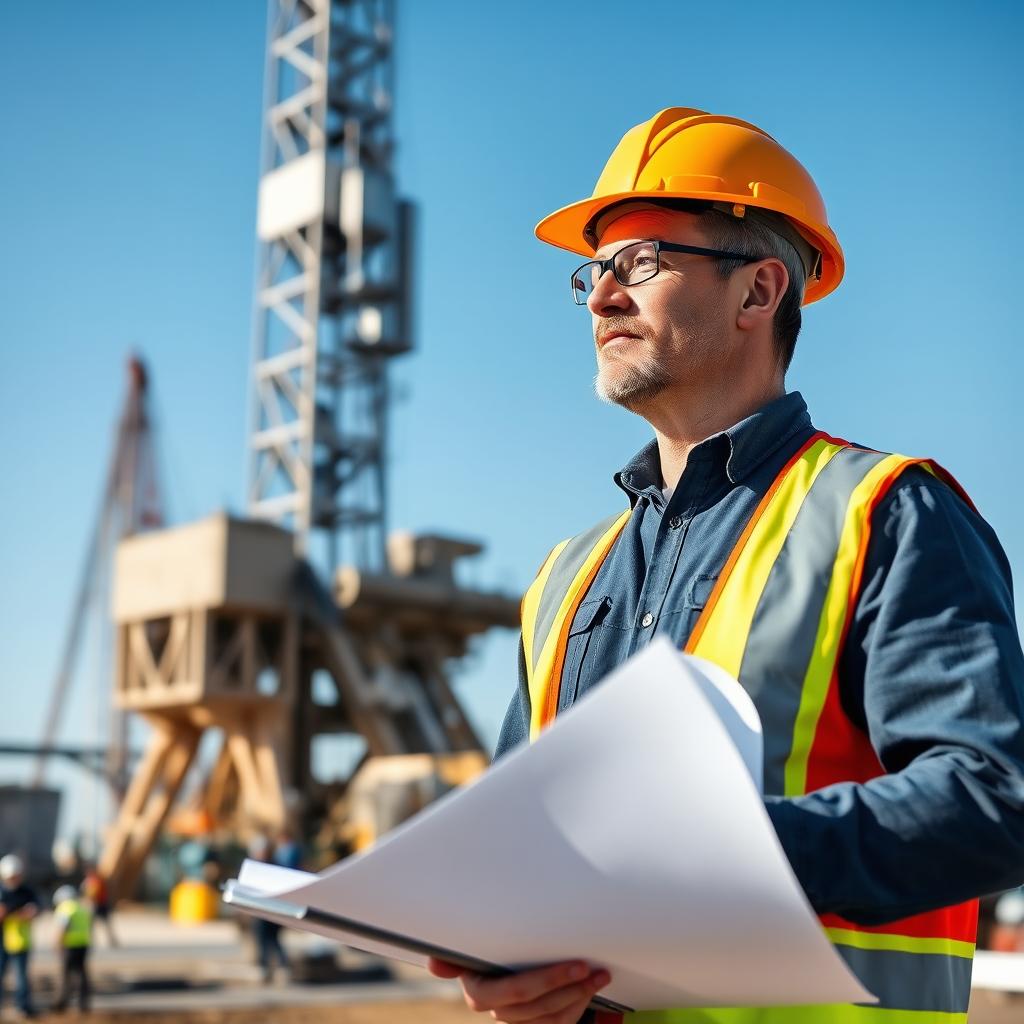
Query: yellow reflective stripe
(828, 1013)
(531, 604)
(901, 943)
(548, 672)
(830, 626)
(725, 634)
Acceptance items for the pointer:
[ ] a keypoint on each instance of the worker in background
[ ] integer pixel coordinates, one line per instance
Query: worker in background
(269, 951)
(18, 907)
(96, 891)
(859, 597)
(74, 920)
(287, 851)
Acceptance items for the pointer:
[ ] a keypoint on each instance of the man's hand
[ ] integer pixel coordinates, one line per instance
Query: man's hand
(556, 994)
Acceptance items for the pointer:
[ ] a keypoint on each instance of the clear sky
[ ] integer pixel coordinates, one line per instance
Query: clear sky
(129, 176)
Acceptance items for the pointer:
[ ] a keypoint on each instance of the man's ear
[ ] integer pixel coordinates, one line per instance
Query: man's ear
(764, 285)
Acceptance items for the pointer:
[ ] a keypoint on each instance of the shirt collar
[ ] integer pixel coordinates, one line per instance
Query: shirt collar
(740, 449)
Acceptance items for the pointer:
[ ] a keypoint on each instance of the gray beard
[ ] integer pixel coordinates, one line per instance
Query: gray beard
(633, 388)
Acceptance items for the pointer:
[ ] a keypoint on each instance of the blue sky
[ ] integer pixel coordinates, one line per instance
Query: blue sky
(128, 209)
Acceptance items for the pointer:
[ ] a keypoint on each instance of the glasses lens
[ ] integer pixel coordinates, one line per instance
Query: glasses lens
(584, 281)
(636, 263)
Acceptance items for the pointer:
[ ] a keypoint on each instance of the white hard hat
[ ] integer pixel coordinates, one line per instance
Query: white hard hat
(65, 892)
(1009, 908)
(259, 846)
(11, 866)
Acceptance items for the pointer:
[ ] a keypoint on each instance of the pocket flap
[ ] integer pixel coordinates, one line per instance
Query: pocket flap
(590, 614)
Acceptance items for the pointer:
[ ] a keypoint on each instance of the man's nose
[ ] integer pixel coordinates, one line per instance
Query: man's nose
(608, 296)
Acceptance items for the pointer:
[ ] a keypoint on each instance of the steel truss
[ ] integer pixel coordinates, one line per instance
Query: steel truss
(333, 289)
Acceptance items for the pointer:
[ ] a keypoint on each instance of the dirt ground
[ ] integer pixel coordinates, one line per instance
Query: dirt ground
(986, 1008)
(419, 1012)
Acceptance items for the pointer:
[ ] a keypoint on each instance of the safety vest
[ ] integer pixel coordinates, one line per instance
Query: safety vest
(777, 620)
(17, 933)
(78, 930)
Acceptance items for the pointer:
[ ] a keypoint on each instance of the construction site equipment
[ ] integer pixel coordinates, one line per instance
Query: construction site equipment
(687, 154)
(28, 823)
(232, 625)
(203, 620)
(221, 626)
(387, 790)
(131, 502)
(334, 289)
(193, 901)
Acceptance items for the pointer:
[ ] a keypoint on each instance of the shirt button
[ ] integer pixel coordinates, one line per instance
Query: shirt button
(647, 620)
(675, 522)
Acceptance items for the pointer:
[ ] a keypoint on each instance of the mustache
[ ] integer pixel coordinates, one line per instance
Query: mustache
(620, 325)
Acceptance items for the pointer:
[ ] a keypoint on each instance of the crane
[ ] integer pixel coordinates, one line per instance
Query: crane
(131, 501)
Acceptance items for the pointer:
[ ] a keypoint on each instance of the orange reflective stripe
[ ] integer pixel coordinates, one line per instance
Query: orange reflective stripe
(824, 739)
(721, 633)
(947, 478)
(548, 673)
(730, 563)
(834, 620)
(528, 611)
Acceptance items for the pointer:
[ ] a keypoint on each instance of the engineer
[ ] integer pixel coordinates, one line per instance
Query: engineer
(859, 597)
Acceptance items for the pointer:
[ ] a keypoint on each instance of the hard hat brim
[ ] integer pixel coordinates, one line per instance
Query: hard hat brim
(566, 229)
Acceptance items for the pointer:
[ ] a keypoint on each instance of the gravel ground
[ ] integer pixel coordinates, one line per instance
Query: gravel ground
(421, 1012)
(986, 1008)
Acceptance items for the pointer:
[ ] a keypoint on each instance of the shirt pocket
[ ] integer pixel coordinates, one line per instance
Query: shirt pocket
(699, 590)
(695, 597)
(589, 616)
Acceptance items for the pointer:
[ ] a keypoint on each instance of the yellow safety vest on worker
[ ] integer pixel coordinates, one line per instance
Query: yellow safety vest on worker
(78, 930)
(17, 933)
(802, 556)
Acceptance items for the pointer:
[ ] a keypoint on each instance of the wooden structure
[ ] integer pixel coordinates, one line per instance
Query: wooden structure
(220, 626)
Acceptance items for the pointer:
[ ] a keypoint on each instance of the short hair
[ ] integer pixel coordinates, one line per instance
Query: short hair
(754, 238)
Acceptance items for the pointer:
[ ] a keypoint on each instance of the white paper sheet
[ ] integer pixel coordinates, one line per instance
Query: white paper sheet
(632, 835)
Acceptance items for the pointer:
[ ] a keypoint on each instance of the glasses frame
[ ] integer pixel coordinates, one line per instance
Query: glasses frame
(659, 247)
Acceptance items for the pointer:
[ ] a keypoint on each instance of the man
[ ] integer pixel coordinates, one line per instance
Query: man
(858, 597)
(18, 907)
(95, 890)
(74, 922)
(269, 950)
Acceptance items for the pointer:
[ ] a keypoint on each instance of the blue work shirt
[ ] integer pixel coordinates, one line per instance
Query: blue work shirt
(932, 670)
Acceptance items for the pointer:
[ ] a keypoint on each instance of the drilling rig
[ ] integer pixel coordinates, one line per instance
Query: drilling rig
(232, 624)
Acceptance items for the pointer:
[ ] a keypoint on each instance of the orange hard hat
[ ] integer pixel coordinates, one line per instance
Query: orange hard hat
(682, 153)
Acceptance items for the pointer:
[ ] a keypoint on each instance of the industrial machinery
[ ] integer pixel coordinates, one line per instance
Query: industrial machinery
(130, 502)
(334, 289)
(233, 625)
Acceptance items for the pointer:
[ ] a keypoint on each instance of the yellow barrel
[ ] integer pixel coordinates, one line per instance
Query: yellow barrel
(193, 901)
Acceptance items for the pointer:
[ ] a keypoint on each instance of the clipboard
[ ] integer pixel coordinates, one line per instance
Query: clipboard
(250, 901)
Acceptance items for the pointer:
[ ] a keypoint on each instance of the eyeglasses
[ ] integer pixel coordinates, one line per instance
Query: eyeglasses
(636, 263)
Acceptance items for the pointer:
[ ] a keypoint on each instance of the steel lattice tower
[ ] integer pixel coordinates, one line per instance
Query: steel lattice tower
(333, 295)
